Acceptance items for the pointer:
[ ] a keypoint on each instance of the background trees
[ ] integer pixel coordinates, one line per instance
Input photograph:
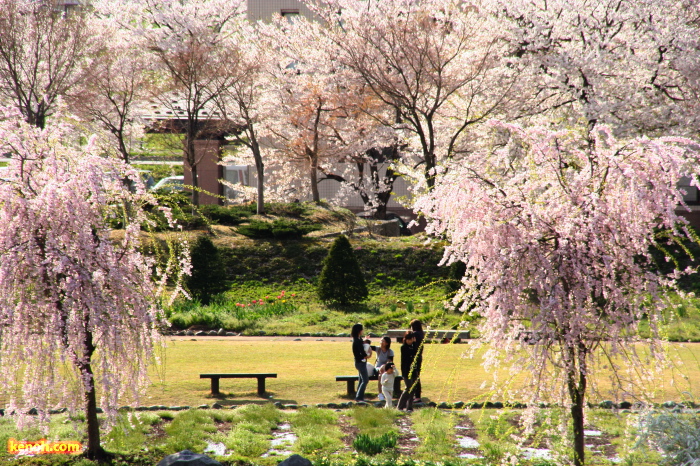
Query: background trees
(118, 83)
(43, 56)
(246, 101)
(615, 62)
(189, 41)
(436, 65)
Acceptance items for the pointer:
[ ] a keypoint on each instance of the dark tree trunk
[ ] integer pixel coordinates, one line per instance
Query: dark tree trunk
(260, 171)
(192, 161)
(577, 391)
(94, 450)
(313, 177)
(195, 185)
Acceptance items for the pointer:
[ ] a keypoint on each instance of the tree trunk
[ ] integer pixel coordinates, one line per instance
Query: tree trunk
(313, 176)
(260, 170)
(191, 158)
(94, 450)
(195, 185)
(577, 391)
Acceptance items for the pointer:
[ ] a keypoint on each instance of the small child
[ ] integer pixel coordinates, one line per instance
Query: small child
(388, 383)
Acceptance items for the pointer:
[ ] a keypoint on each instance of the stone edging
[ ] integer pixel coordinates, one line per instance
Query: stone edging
(625, 406)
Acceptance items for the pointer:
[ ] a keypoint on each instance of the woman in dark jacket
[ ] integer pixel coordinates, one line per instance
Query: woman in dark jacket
(358, 352)
(409, 371)
(417, 328)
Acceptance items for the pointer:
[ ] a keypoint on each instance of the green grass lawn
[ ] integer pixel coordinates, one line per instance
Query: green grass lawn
(307, 369)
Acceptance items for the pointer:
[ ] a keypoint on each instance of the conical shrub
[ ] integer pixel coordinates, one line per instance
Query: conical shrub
(208, 273)
(341, 281)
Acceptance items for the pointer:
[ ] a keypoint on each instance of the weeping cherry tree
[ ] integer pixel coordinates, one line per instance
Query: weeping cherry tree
(79, 314)
(557, 231)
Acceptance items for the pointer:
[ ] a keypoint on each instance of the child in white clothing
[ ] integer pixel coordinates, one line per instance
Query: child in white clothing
(388, 383)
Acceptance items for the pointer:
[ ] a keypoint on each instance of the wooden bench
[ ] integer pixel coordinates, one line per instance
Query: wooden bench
(442, 335)
(215, 380)
(351, 379)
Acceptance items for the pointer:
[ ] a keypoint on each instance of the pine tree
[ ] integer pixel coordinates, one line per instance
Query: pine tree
(341, 281)
(208, 274)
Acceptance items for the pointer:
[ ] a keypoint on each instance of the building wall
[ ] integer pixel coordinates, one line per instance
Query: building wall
(209, 172)
(265, 9)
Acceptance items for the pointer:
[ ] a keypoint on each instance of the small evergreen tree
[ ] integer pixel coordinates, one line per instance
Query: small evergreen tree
(341, 281)
(208, 275)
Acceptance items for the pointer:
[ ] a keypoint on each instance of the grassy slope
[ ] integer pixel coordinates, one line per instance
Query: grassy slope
(403, 276)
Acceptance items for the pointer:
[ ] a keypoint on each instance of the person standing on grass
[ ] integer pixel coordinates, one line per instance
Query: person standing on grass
(360, 356)
(384, 355)
(387, 383)
(409, 370)
(417, 328)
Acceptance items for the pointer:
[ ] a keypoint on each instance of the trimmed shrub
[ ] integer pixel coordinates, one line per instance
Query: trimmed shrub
(341, 281)
(220, 215)
(207, 277)
(279, 229)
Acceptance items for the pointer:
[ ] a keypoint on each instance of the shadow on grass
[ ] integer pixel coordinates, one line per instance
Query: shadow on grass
(231, 399)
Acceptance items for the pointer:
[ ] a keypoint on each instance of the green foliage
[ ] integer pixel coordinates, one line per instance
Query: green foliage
(129, 434)
(341, 281)
(160, 171)
(222, 312)
(220, 215)
(261, 418)
(454, 277)
(676, 435)
(251, 429)
(188, 431)
(317, 431)
(207, 277)
(436, 432)
(374, 422)
(181, 210)
(278, 229)
(369, 445)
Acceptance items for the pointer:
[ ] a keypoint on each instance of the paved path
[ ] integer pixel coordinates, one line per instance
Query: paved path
(257, 338)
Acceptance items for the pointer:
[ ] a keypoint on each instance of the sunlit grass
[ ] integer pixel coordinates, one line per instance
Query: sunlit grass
(436, 431)
(189, 431)
(317, 432)
(306, 373)
(375, 422)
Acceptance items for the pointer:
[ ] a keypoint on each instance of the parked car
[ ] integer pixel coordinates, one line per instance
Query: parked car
(170, 183)
(147, 178)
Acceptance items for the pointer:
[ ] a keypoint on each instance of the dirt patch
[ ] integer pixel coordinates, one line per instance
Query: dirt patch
(600, 443)
(466, 428)
(349, 431)
(406, 443)
(223, 426)
(157, 432)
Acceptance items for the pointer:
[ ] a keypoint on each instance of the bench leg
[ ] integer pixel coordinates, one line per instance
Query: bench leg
(261, 386)
(397, 387)
(215, 386)
(351, 388)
